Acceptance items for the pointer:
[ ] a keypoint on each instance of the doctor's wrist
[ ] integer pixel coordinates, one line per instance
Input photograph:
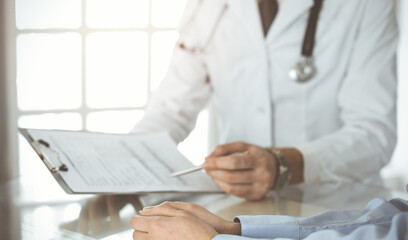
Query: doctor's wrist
(295, 162)
(282, 171)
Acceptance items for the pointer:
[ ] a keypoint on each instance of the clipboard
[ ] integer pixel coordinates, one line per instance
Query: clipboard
(47, 162)
(145, 159)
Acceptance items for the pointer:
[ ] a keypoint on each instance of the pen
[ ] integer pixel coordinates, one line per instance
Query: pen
(198, 168)
(185, 171)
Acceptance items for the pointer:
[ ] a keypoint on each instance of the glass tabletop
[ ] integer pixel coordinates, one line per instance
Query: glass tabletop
(40, 209)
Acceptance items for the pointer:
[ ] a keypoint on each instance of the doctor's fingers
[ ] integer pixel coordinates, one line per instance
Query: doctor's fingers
(231, 162)
(230, 148)
(233, 177)
(240, 190)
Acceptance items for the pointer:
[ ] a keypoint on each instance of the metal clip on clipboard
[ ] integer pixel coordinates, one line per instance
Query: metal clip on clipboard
(47, 162)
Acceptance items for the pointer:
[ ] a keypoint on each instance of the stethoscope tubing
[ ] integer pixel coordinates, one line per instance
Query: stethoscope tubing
(199, 50)
(302, 71)
(309, 38)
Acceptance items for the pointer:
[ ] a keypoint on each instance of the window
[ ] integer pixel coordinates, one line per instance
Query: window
(92, 65)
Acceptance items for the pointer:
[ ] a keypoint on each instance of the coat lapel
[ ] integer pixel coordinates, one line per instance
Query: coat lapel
(289, 12)
(247, 11)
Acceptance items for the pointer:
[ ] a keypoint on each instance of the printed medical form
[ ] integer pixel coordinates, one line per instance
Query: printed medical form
(116, 163)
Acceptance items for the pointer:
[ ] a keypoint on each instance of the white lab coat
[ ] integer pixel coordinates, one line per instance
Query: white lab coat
(343, 120)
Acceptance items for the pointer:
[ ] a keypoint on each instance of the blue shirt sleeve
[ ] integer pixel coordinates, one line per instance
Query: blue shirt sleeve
(379, 220)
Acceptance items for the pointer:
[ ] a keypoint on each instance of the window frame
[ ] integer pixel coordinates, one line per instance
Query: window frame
(8, 108)
(84, 110)
(84, 30)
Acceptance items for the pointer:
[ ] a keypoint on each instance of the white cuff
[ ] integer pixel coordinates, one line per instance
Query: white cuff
(312, 164)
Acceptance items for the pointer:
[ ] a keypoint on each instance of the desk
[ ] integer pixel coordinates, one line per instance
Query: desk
(41, 210)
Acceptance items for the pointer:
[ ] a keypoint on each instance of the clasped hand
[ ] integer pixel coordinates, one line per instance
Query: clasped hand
(250, 174)
(178, 220)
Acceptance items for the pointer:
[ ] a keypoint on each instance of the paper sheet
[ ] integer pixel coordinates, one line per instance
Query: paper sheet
(114, 163)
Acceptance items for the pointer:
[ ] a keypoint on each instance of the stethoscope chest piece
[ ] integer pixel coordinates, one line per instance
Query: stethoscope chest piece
(303, 70)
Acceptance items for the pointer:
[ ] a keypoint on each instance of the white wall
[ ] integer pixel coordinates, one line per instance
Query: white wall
(396, 174)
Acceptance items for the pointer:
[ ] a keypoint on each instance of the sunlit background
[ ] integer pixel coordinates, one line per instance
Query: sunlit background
(93, 64)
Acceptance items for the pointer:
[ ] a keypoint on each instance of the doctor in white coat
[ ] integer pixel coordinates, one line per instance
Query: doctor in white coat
(339, 125)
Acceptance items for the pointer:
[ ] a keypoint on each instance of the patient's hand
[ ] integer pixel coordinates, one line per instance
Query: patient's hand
(220, 225)
(167, 223)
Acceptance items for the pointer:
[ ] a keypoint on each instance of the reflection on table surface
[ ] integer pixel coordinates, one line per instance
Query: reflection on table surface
(61, 216)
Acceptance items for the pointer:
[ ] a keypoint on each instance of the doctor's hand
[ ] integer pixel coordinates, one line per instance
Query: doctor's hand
(250, 174)
(249, 171)
(168, 223)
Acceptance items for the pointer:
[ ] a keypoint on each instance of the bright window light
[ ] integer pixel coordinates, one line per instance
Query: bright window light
(49, 71)
(117, 13)
(162, 48)
(67, 121)
(195, 147)
(113, 121)
(167, 13)
(46, 14)
(117, 66)
(93, 68)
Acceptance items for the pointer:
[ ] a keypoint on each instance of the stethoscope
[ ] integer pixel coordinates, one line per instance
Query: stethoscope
(305, 69)
(302, 71)
(190, 19)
